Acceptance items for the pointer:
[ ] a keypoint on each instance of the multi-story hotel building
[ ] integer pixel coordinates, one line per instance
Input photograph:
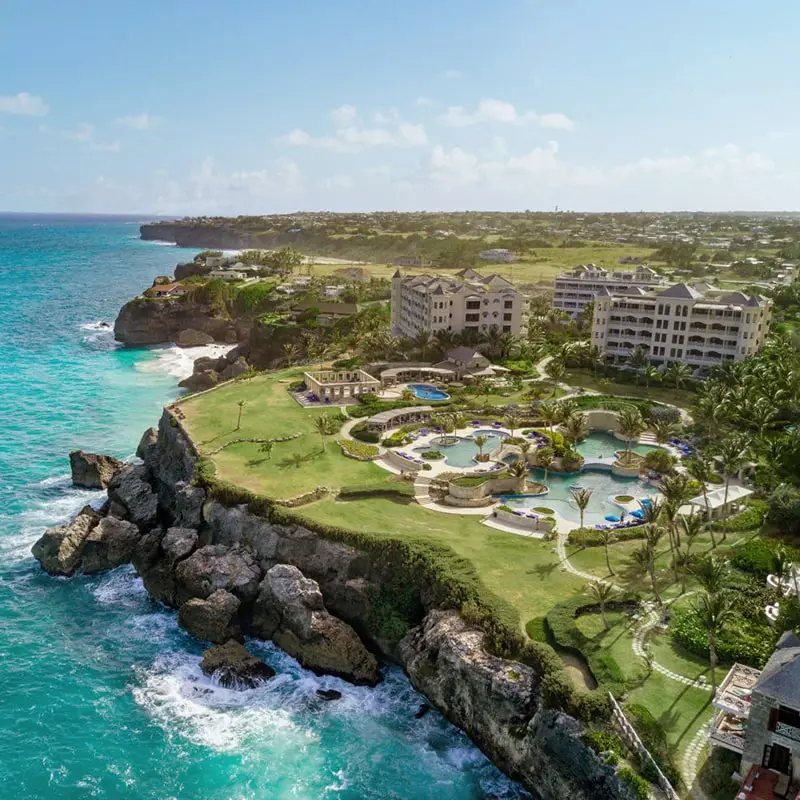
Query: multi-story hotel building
(467, 301)
(681, 324)
(575, 290)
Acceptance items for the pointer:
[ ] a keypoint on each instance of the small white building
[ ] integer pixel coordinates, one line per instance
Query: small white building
(301, 281)
(497, 254)
(227, 274)
(333, 290)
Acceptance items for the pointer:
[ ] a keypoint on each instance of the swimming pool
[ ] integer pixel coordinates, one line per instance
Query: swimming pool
(604, 445)
(462, 453)
(424, 391)
(602, 484)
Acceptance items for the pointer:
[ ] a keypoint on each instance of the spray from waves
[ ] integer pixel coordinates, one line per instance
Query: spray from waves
(99, 336)
(179, 361)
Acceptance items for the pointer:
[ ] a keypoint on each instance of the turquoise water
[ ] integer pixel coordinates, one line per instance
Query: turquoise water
(424, 391)
(602, 484)
(463, 452)
(101, 693)
(604, 445)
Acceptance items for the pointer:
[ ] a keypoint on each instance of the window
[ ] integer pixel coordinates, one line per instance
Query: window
(472, 317)
(507, 317)
(506, 329)
(508, 304)
(473, 304)
(676, 325)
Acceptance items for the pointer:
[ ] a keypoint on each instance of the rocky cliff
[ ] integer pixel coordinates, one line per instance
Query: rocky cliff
(229, 569)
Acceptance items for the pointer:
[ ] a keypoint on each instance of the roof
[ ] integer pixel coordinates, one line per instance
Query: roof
(780, 677)
(463, 354)
(384, 417)
(680, 290)
(716, 498)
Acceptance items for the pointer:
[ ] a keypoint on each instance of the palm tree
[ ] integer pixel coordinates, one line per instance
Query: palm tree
(525, 448)
(601, 592)
(555, 370)
(545, 458)
(638, 361)
(550, 414)
(266, 448)
(653, 534)
(324, 425)
(651, 373)
(676, 492)
(567, 409)
(713, 611)
(519, 471)
(291, 351)
(241, 404)
(631, 425)
(511, 420)
(700, 469)
(444, 340)
(693, 525)
(422, 342)
(733, 453)
(576, 428)
(663, 430)
(607, 537)
(712, 574)
(581, 498)
(678, 372)
(481, 440)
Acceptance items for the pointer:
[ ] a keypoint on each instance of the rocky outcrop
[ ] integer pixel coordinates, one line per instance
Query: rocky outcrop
(131, 496)
(191, 337)
(147, 447)
(234, 666)
(209, 372)
(91, 470)
(213, 619)
(216, 567)
(111, 543)
(290, 611)
(60, 548)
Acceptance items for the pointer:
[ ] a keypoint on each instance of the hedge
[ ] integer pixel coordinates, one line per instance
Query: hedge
(590, 537)
(447, 580)
(654, 738)
(359, 431)
(750, 519)
(756, 557)
(361, 449)
(379, 488)
(640, 787)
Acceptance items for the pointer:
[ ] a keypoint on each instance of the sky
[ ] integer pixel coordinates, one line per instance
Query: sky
(258, 107)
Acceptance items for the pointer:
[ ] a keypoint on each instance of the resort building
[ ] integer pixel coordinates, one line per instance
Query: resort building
(412, 261)
(497, 254)
(467, 301)
(681, 324)
(757, 714)
(575, 290)
(327, 313)
(338, 386)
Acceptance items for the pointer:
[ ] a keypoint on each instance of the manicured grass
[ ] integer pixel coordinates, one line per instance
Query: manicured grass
(662, 393)
(293, 467)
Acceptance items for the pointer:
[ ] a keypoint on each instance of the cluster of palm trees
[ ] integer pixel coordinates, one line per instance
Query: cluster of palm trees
(676, 373)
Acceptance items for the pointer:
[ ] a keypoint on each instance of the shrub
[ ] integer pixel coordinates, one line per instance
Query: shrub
(537, 629)
(654, 739)
(750, 519)
(397, 439)
(640, 787)
(604, 741)
(571, 461)
(784, 509)
(545, 511)
(360, 449)
(624, 498)
(756, 557)
(657, 413)
(659, 460)
(432, 455)
(590, 537)
(360, 432)
(378, 488)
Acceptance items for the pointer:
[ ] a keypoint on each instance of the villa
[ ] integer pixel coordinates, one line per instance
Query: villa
(166, 290)
(468, 363)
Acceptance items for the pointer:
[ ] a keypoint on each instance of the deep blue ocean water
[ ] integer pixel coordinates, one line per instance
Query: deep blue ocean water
(100, 691)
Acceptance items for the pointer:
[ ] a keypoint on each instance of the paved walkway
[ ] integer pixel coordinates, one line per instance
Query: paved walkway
(689, 763)
(561, 550)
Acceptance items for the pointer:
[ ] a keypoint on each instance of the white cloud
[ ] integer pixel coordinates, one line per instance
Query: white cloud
(84, 134)
(138, 122)
(490, 110)
(23, 104)
(452, 74)
(422, 100)
(351, 136)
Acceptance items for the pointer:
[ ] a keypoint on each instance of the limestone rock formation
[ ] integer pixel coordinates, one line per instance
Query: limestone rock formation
(148, 445)
(111, 543)
(188, 505)
(290, 611)
(216, 567)
(200, 381)
(132, 496)
(190, 337)
(213, 619)
(60, 548)
(92, 470)
(178, 543)
(233, 666)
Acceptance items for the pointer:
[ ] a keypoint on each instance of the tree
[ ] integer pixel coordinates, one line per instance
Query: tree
(481, 440)
(700, 469)
(325, 425)
(676, 492)
(266, 448)
(631, 425)
(602, 593)
(576, 428)
(555, 370)
(607, 536)
(678, 372)
(651, 373)
(713, 611)
(567, 409)
(733, 453)
(550, 414)
(663, 430)
(638, 361)
(693, 525)
(544, 458)
(291, 351)
(653, 534)
(519, 471)
(422, 343)
(713, 574)
(512, 420)
(241, 404)
(581, 498)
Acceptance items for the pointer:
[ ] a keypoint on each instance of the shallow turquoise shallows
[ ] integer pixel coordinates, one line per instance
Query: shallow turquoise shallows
(100, 691)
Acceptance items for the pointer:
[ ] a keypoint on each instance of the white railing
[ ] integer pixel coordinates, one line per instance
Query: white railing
(631, 738)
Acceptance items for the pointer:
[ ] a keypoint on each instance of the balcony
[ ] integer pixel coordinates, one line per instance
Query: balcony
(727, 730)
(733, 694)
(786, 730)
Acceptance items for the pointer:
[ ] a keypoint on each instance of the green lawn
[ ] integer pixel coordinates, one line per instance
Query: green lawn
(663, 393)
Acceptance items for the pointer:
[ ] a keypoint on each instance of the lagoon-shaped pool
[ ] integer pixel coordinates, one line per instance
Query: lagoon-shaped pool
(462, 453)
(603, 445)
(602, 484)
(424, 391)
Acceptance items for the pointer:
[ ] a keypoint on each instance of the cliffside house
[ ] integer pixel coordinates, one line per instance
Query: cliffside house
(757, 715)
(327, 313)
(166, 290)
(227, 274)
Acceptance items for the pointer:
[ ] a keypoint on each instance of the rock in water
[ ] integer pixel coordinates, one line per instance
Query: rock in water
(329, 694)
(422, 711)
(110, 544)
(147, 445)
(233, 666)
(213, 619)
(59, 550)
(132, 496)
(91, 470)
(291, 612)
(189, 337)
(216, 567)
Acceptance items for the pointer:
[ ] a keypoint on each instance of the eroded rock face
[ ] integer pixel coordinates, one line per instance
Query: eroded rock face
(178, 543)
(111, 543)
(216, 567)
(60, 548)
(188, 506)
(290, 610)
(213, 619)
(148, 445)
(92, 470)
(132, 496)
(233, 666)
(190, 337)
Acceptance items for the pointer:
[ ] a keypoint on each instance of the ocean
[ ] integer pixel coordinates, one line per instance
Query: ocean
(101, 695)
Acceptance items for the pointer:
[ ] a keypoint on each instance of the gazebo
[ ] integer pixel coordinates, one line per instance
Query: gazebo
(717, 505)
(341, 385)
(395, 417)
